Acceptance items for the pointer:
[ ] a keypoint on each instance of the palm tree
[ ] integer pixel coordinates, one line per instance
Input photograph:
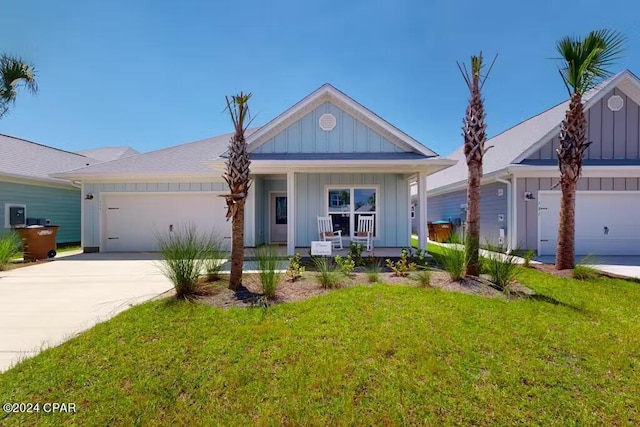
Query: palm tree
(584, 64)
(237, 177)
(474, 133)
(14, 73)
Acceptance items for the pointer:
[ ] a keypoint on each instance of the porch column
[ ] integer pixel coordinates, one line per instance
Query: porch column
(291, 213)
(422, 210)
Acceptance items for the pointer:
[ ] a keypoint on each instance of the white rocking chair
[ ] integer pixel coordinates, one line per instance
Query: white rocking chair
(364, 233)
(325, 230)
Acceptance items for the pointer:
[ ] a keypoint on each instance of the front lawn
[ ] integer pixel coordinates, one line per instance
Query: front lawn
(367, 355)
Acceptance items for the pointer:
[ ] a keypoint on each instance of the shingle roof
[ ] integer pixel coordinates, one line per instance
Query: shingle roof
(106, 154)
(23, 158)
(507, 146)
(182, 159)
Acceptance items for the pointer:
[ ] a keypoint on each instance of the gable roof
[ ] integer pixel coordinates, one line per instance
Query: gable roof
(29, 160)
(327, 92)
(523, 139)
(180, 161)
(106, 154)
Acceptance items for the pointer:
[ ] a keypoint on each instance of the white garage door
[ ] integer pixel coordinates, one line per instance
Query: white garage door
(606, 222)
(131, 221)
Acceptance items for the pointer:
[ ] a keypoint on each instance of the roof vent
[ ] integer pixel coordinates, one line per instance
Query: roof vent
(327, 122)
(615, 103)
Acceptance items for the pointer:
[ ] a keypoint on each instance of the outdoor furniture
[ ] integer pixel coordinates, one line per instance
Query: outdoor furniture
(364, 232)
(325, 229)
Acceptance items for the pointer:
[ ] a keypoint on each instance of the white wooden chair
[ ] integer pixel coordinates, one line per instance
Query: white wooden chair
(325, 230)
(364, 232)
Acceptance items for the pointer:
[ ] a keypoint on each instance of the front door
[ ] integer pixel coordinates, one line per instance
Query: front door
(278, 218)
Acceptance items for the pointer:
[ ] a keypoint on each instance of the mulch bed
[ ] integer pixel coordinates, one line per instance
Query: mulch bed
(551, 269)
(308, 287)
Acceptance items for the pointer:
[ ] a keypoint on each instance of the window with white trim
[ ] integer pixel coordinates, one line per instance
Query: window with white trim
(346, 204)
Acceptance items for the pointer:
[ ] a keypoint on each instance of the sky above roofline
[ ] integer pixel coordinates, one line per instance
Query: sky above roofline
(149, 75)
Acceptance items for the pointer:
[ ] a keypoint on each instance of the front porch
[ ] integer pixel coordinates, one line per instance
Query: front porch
(383, 252)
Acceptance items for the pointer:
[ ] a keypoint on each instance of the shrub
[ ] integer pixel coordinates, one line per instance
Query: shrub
(327, 274)
(454, 259)
(583, 271)
(214, 257)
(419, 257)
(502, 268)
(295, 270)
(355, 252)
(423, 277)
(184, 253)
(346, 265)
(402, 267)
(270, 265)
(528, 256)
(10, 247)
(373, 271)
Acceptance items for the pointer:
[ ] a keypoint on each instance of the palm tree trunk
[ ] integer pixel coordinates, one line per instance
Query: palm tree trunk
(565, 248)
(237, 246)
(473, 219)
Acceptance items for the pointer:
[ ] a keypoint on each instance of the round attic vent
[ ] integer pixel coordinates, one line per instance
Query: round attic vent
(327, 122)
(615, 103)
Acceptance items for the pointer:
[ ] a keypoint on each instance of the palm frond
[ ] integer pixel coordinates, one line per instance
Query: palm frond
(14, 73)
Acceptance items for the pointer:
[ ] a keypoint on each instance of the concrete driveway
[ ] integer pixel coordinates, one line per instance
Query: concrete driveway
(44, 305)
(627, 266)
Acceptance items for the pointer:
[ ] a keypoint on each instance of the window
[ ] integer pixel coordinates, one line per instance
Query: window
(346, 204)
(14, 214)
(413, 211)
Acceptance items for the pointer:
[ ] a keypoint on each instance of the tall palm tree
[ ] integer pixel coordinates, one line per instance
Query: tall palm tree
(237, 177)
(584, 64)
(475, 135)
(14, 73)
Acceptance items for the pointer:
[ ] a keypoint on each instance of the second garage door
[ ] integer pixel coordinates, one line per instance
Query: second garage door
(132, 221)
(606, 222)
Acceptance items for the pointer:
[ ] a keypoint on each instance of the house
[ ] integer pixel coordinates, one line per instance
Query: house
(519, 203)
(326, 155)
(27, 187)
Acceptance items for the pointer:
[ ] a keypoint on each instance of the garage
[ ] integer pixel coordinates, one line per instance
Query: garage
(606, 222)
(131, 221)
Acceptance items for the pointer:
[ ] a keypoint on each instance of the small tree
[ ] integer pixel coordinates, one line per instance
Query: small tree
(14, 73)
(475, 136)
(237, 177)
(584, 64)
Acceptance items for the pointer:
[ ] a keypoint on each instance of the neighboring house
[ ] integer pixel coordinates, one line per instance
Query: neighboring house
(25, 183)
(518, 202)
(106, 154)
(326, 155)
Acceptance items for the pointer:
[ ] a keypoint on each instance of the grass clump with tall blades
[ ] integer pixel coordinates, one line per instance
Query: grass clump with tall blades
(328, 275)
(270, 266)
(215, 256)
(184, 256)
(373, 271)
(501, 267)
(10, 247)
(453, 258)
(584, 271)
(423, 277)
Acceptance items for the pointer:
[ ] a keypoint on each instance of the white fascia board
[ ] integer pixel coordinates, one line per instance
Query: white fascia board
(456, 186)
(136, 178)
(43, 182)
(551, 171)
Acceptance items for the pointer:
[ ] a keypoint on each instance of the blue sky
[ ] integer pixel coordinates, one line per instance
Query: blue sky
(152, 74)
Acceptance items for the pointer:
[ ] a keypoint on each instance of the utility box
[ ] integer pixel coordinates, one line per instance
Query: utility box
(38, 242)
(16, 216)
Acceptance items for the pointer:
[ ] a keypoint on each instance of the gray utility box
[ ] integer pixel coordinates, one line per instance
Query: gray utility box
(16, 216)
(38, 221)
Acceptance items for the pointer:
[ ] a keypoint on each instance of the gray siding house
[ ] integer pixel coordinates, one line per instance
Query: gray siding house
(325, 156)
(519, 203)
(25, 181)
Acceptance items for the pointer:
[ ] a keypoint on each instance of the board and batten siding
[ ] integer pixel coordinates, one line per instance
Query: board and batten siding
(265, 186)
(447, 207)
(92, 207)
(392, 205)
(60, 205)
(527, 211)
(614, 135)
(350, 135)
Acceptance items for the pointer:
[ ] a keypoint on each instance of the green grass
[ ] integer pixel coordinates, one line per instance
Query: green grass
(374, 355)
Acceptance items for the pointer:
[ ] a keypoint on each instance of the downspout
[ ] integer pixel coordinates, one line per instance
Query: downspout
(511, 219)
